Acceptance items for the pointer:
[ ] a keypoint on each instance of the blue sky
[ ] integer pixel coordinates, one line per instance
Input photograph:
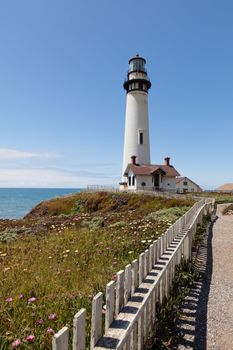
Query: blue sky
(62, 104)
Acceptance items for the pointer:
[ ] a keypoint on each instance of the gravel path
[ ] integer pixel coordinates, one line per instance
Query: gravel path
(206, 320)
(220, 304)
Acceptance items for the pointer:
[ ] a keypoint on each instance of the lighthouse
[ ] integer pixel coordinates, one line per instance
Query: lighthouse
(137, 140)
(138, 174)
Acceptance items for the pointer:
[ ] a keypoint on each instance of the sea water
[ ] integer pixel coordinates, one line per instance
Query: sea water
(17, 202)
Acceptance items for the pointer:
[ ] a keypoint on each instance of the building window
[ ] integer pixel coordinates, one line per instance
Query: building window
(185, 183)
(192, 189)
(129, 180)
(141, 138)
(133, 180)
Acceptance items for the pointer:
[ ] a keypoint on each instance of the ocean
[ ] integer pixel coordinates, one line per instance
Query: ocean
(17, 202)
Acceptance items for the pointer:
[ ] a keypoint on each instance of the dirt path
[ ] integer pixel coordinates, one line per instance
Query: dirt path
(220, 303)
(206, 320)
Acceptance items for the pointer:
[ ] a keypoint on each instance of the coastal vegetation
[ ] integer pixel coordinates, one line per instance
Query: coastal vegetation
(65, 251)
(220, 197)
(228, 210)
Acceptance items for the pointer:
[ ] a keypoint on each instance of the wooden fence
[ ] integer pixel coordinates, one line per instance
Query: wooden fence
(130, 310)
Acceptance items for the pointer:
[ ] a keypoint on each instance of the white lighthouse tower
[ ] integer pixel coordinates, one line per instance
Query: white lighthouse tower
(136, 142)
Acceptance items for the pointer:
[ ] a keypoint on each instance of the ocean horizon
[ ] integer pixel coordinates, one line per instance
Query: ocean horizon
(15, 203)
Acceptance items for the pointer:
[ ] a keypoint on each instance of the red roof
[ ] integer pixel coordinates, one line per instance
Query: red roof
(167, 170)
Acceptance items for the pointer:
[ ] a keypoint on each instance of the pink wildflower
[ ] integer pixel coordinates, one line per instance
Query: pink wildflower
(9, 300)
(20, 296)
(30, 338)
(114, 277)
(32, 300)
(50, 331)
(40, 321)
(16, 343)
(52, 317)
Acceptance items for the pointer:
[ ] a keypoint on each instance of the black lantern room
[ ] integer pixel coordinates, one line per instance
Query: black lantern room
(137, 75)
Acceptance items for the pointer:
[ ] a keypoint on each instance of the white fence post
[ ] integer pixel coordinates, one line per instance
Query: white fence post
(155, 255)
(134, 276)
(96, 319)
(110, 304)
(141, 331)
(186, 247)
(159, 248)
(141, 267)
(146, 263)
(151, 257)
(128, 283)
(79, 330)
(120, 291)
(60, 339)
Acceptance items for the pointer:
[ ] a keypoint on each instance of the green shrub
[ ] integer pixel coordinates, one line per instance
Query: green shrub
(118, 224)
(167, 214)
(10, 234)
(95, 223)
(79, 207)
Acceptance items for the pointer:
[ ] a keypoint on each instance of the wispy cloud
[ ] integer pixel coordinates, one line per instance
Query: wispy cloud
(49, 178)
(48, 169)
(7, 154)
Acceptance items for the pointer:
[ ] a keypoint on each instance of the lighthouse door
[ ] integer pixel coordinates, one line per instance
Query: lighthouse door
(156, 180)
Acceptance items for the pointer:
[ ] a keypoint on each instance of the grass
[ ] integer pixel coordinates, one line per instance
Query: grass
(220, 198)
(64, 252)
(228, 209)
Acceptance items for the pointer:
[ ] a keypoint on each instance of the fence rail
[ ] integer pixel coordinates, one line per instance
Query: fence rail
(130, 310)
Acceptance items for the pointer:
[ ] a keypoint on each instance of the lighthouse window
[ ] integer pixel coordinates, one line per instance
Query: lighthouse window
(136, 85)
(137, 64)
(141, 138)
(129, 179)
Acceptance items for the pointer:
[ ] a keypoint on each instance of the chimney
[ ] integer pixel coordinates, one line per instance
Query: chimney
(133, 160)
(167, 161)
